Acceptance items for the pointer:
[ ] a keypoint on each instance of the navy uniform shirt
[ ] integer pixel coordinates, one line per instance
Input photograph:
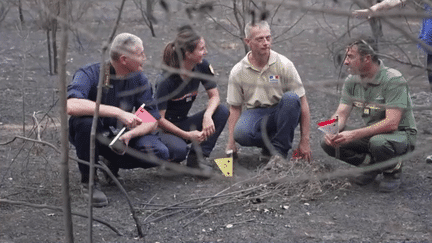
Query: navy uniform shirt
(177, 101)
(126, 94)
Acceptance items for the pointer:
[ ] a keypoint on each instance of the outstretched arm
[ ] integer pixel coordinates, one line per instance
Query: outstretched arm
(214, 101)
(83, 107)
(342, 113)
(141, 130)
(387, 125)
(304, 150)
(235, 112)
(384, 5)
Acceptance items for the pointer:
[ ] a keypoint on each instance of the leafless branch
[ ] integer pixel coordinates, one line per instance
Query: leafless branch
(103, 167)
(297, 5)
(59, 209)
(286, 30)
(132, 209)
(146, 14)
(276, 11)
(3, 10)
(194, 219)
(96, 117)
(63, 9)
(223, 27)
(36, 124)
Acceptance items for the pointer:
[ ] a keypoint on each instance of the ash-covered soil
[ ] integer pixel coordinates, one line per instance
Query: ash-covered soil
(245, 208)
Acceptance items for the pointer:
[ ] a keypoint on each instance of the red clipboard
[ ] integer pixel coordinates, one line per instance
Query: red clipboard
(145, 117)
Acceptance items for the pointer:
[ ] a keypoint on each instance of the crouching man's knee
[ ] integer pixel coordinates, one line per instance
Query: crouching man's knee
(328, 149)
(290, 99)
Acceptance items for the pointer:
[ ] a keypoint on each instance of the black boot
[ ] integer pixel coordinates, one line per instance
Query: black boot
(114, 170)
(193, 162)
(99, 198)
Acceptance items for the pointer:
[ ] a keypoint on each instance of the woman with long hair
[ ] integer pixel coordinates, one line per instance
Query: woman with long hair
(175, 93)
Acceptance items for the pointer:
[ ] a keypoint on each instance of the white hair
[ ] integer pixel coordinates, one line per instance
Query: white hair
(261, 25)
(124, 43)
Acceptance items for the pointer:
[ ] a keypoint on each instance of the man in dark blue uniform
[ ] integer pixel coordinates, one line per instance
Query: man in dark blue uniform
(123, 74)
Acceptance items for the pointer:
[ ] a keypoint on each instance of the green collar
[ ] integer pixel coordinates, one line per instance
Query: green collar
(378, 76)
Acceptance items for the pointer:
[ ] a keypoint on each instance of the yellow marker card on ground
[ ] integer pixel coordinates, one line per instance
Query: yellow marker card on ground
(226, 166)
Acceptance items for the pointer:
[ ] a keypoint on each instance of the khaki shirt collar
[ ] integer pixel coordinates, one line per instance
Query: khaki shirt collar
(272, 60)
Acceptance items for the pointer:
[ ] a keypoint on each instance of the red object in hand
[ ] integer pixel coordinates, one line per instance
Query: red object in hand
(144, 115)
(297, 155)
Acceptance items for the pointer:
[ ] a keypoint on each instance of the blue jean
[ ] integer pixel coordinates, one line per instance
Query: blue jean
(283, 118)
(79, 135)
(178, 147)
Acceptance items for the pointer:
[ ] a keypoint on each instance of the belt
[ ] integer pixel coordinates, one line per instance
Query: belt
(176, 118)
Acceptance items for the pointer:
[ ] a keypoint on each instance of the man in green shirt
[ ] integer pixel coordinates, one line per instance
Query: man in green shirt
(381, 95)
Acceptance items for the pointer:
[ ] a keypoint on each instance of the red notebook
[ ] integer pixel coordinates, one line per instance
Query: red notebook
(144, 115)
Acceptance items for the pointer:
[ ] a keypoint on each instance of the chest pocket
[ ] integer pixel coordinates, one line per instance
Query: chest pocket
(374, 106)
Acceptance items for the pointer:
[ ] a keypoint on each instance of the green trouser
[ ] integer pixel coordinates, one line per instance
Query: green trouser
(381, 147)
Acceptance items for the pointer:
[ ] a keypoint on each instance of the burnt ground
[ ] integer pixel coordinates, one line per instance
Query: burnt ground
(184, 208)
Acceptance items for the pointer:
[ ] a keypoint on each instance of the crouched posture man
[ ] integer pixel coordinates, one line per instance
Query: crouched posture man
(270, 87)
(381, 95)
(123, 75)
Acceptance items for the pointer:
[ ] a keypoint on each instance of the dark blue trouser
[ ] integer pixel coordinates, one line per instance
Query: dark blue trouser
(283, 118)
(178, 147)
(79, 135)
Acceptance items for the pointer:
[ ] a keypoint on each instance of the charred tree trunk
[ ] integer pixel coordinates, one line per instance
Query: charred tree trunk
(150, 15)
(377, 33)
(49, 51)
(21, 16)
(151, 28)
(67, 211)
(94, 125)
(54, 44)
(240, 19)
(376, 26)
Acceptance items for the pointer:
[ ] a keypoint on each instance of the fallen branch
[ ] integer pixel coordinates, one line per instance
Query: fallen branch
(232, 224)
(194, 219)
(95, 120)
(59, 209)
(36, 124)
(132, 209)
(103, 167)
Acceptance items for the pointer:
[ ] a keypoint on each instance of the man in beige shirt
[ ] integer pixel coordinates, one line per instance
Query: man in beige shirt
(268, 84)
